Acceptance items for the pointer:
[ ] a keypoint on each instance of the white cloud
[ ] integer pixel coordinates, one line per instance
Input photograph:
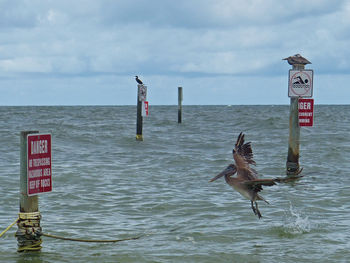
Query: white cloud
(25, 64)
(173, 40)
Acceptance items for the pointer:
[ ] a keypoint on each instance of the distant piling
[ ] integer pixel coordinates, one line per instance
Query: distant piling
(29, 230)
(179, 111)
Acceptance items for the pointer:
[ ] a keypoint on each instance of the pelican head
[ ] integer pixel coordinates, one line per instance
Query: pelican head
(229, 170)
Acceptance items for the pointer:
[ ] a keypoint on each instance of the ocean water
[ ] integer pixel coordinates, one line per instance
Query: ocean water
(107, 185)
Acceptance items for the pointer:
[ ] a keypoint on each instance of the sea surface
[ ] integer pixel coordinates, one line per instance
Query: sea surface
(107, 185)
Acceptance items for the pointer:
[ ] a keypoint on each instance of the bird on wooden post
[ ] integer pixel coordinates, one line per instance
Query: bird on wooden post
(297, 59)
(293, 169)
(138, 80)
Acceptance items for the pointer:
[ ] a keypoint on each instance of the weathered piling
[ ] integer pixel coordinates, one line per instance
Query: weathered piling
(139, 120)
(294, 138)
(179, 111)
(293, 168)
(29, 231)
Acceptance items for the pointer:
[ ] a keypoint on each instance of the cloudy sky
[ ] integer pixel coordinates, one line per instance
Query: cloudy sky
(87, 52)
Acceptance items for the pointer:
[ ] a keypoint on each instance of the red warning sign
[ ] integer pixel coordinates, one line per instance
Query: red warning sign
(306, 112)
(144, 111)
(39, 173)
(146, 108)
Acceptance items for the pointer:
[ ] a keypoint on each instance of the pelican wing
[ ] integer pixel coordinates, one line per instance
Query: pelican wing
(257, 184)
(243, 156)
(244, 150)
(246, 173)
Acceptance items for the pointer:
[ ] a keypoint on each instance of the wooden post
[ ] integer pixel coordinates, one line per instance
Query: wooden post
(293, 167)
(139, 136)
(27, 203)
(179, 111)
(27, 240)
(298, 62)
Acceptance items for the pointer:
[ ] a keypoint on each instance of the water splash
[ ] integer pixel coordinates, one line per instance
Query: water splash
(296, 222)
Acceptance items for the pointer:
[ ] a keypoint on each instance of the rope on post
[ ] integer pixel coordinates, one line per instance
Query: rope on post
(8, 228)
(29, 231)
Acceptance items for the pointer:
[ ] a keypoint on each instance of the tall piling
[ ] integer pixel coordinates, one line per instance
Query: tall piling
(179, 111)
(294, 138)
(139, 119)
(29, 230)
(293, 168)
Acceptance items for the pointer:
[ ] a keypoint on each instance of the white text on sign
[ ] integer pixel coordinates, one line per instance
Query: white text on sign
(305, 105)
(38, 147)
(39, 172)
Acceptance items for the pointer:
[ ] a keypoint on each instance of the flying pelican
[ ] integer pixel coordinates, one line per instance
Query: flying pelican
(138, 80)
(246, 182)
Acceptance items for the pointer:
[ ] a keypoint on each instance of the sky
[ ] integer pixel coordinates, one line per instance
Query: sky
(229, 52)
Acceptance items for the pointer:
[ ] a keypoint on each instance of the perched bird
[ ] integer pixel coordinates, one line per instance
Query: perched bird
(138, 80)
(297, 59)
(246, 182)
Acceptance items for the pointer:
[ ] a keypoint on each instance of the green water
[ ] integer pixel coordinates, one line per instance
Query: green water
(106, 185)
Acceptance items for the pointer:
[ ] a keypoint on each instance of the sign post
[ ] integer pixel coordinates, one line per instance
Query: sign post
(141, 98)
(300, 84)
(28, 238)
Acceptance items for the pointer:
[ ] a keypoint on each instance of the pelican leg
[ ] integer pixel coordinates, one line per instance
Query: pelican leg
(254, 210)
(257, 210)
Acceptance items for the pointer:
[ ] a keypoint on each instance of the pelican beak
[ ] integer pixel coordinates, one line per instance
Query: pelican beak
(229, 170)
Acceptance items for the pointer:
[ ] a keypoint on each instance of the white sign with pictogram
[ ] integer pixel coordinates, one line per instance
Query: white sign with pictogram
(300, 83)
(142, 89)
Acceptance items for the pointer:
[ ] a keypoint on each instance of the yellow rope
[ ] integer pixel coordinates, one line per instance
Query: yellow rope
(37, 245)
(92, 241)
(33, 247)
(30, 215)
(8, 228)
(29, 231)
